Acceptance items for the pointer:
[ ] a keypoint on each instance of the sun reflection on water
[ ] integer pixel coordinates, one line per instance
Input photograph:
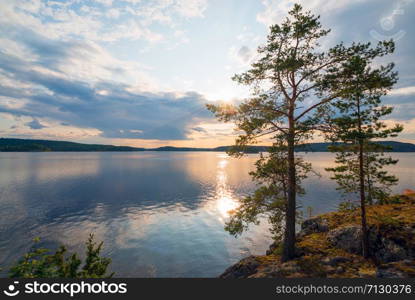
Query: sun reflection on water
(225, 205)
(225, 200)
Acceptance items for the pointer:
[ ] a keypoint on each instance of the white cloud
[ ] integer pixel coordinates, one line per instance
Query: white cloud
(276, 10)
(89, 21)
(247, 36)
(26, 127)
(132, 1)
(104, 2)
(113, 13)
(241, 55)
(245, 53)
(131, 30)
(13, 103)
(405, 91)
(151, 13)
(191, 8)
(181, 36)
(136, 131)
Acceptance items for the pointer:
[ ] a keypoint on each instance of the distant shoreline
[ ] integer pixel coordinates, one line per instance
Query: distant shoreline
(29, 145)
(151, 150)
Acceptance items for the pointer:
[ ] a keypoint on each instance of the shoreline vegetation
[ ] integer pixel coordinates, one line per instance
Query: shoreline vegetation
(32, 145)
(41, 262)
(329, 245)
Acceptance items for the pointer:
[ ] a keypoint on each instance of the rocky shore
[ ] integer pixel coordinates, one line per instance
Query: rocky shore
(329, 245)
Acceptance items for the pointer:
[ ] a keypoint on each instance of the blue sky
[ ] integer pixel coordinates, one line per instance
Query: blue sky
(139, 72)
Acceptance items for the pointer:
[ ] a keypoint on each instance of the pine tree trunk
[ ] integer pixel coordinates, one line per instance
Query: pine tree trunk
(365, 241)
(289, 237)
(365, 234)
(369, 191)
(369, 183)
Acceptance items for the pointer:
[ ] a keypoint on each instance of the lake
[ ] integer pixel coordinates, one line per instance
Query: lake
(160, 214)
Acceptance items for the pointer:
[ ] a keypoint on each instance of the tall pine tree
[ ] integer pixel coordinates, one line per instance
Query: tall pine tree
(292, 83)
(355, 127)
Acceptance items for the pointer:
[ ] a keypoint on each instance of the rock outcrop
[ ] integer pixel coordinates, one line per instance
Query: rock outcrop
(384, 245)
(330, 246)
(314, 225)
(243, 269)
(348, 238)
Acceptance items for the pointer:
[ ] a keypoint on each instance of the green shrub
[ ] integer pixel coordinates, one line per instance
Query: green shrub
(41, 263)
(396, 199)
(347, 206)
(386, 220)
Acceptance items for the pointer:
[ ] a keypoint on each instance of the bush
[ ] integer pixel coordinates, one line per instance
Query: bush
(40, 263)
(347, 206)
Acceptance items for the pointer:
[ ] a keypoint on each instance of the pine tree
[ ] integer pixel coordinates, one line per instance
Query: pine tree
(292, 82)
(270, 200)
(355, 127)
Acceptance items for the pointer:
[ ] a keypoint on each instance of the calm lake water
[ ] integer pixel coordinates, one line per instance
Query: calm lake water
(160, 214)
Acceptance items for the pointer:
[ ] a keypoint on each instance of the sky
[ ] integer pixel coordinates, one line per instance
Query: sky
(140, 72)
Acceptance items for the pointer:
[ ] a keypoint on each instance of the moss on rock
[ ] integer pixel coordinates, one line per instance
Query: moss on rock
(392, 228)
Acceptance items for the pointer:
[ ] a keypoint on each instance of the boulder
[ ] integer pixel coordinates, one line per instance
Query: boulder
(243, 269)
(334, 261)
(402, 269)
(314, 225)
(347, 238)
(386, 250)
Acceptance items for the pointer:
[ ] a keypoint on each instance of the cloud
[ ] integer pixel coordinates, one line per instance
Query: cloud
(403, 111)
(104, 2)
(35, 124)
(81, 88)
(84, 61)
(191, 8)
(117, 113)
(53, 130)
(242, 55)
(275, 11)
(212, 130)
(404, 91)
(89, 21)
(87, 68)
(199, 129)
(113, 13)
(248, 36)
